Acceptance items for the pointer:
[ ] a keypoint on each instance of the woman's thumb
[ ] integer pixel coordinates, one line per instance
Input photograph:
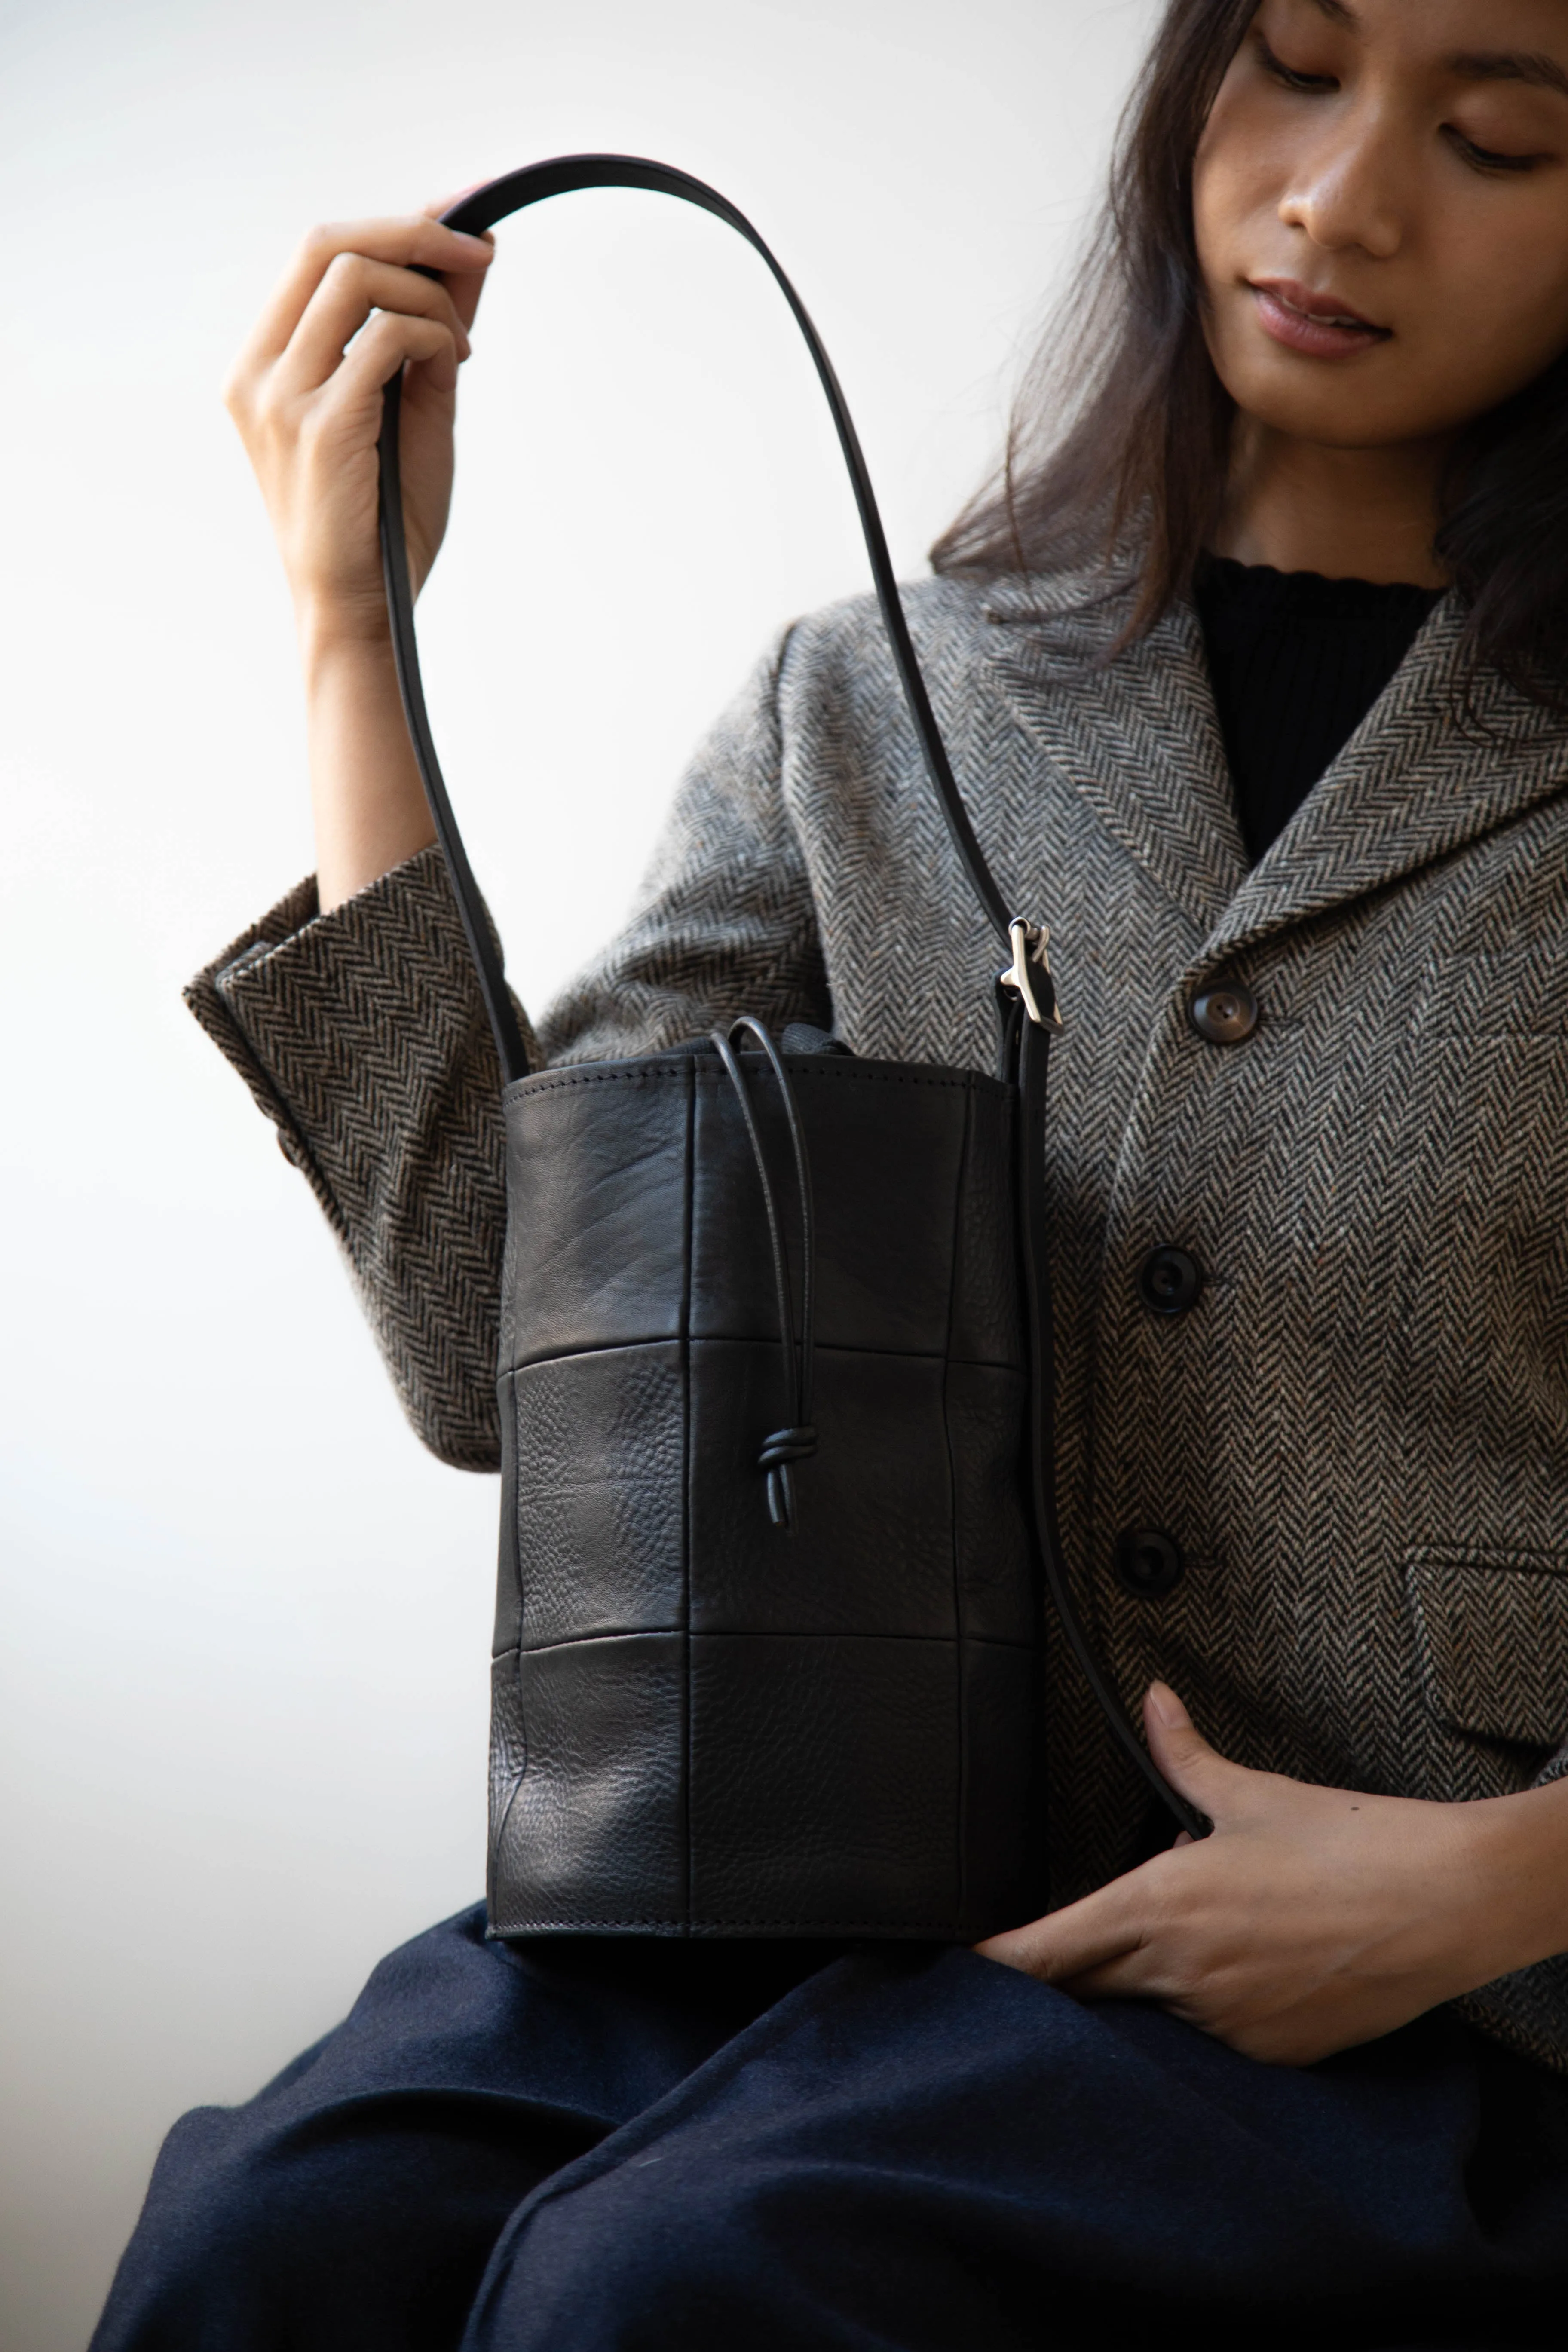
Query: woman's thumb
(1176, 1744)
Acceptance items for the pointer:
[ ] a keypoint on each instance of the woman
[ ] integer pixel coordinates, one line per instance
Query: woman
(1254, 673)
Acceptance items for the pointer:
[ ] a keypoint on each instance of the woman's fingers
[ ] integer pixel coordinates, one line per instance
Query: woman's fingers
(415, 241)
(390, 338)
(464, 286)
(1135, 1975)
(350, 289)
(1102, 1927)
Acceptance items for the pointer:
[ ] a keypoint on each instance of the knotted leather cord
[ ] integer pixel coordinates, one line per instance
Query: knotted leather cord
(475, 213)
(798, 1442)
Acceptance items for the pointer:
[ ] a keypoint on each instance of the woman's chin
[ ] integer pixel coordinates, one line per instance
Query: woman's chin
(1341, 406)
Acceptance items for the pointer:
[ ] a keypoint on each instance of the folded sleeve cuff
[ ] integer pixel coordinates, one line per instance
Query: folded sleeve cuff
(207, 997)
(363, 1036)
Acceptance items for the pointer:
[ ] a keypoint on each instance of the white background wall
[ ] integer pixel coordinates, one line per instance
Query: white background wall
(246, 1619)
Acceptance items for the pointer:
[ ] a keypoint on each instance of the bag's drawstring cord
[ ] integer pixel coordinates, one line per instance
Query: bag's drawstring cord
(797, 1443)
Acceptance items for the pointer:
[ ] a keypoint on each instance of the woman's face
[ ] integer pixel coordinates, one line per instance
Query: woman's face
(1381, 202)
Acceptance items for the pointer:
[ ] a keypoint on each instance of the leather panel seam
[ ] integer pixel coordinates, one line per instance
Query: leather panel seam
(762, 1340)
(818, 1069)
(768, 1633)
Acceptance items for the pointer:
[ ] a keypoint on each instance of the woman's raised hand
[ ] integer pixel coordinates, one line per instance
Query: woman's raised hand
(305, 392)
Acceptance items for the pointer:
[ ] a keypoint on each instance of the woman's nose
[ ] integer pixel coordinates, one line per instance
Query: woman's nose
(1351, 191)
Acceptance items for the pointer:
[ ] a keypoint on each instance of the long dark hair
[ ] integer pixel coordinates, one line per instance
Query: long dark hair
(1119, 448)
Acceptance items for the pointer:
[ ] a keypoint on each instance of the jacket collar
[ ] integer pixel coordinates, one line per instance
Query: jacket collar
(1139, 738)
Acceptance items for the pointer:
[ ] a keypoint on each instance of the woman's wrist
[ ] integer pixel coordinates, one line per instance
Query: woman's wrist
(1514, 1854)
(334, 629)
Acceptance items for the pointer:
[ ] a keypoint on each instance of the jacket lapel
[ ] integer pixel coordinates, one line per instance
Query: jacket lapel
(1137, 737)
(1421, 776)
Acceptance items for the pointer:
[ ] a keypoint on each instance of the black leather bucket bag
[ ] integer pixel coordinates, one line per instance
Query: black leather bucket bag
(775, 1396)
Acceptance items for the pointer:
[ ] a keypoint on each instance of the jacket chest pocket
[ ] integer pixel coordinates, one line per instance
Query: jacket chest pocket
(1491, 1641)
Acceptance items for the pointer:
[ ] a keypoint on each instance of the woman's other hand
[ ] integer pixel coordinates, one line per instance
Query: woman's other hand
(1312, 1918)
(306, 395)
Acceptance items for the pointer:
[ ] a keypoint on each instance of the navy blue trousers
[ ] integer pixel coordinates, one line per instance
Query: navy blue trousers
(571, 2147)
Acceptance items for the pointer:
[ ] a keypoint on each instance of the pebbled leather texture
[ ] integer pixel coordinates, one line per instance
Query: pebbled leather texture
(706, 1725)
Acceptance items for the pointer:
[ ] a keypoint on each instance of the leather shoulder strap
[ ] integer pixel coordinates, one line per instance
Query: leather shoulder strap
(481, 210)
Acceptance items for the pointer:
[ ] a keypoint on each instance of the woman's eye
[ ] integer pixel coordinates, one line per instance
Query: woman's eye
(1289, 76)
(1483, 159)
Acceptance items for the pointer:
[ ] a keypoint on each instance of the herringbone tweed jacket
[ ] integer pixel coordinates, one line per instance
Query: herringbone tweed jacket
(1359, 1435)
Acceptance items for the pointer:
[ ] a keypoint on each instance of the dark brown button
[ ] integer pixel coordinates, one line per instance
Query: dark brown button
(1225, 1014)
(1148, 1562)
(1169, 1281)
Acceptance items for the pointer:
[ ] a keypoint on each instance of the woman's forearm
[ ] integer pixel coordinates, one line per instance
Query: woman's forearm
(369, 804)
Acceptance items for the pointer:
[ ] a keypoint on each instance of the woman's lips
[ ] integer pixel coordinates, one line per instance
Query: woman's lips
(1314, 324)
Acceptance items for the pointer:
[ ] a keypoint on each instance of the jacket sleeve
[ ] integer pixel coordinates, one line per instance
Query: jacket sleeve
(361, 1036)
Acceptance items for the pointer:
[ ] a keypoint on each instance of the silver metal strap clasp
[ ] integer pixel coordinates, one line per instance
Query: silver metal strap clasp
(1030, 972)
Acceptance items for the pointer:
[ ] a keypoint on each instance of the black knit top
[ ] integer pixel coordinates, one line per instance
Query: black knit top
(1297, 662)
